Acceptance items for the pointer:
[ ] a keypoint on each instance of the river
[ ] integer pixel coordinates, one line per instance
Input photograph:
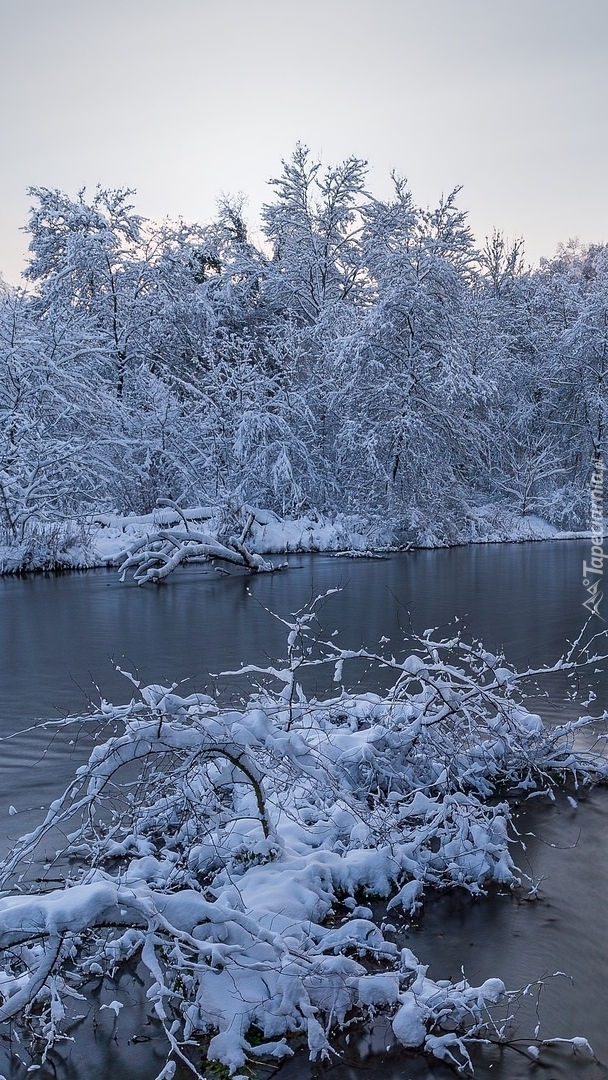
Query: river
(61, 637)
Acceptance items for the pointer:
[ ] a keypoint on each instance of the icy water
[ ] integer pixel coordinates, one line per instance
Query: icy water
(60, 638)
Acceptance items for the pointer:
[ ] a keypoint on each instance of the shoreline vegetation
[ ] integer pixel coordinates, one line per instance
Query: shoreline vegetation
(104, 540)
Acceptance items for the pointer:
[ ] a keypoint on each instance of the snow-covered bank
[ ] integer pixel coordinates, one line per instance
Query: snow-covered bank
(102, 539)
(235, 851)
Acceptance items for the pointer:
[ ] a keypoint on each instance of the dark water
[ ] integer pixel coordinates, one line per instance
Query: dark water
(59, 637)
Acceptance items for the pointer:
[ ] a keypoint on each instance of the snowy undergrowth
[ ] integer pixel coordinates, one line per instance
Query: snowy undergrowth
(112, 539)
(233, 851)
(270, 534)
(61, 545)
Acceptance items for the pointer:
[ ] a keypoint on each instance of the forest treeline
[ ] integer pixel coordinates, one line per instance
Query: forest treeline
(362, 356)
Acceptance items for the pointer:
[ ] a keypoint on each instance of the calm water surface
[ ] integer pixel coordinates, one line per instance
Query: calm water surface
(60, 638)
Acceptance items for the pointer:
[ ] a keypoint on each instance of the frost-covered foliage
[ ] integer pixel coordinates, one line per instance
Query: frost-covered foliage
(234, 851)
(365, 358)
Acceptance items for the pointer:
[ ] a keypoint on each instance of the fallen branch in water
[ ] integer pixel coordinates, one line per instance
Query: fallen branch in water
(156, 555)
(230, 849)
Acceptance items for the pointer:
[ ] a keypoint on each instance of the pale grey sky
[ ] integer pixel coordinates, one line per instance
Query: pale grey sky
(186, 99)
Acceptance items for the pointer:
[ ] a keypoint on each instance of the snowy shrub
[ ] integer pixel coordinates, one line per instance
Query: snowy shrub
(47, 546)
(221, 846)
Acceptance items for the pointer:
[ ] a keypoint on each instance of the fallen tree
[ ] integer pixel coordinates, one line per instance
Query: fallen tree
(157, 554)
(230, 850)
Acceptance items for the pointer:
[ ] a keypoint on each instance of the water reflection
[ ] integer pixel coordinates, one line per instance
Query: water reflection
(59, 635)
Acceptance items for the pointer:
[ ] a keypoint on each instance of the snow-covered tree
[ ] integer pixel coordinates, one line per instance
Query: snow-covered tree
(55, 413)
(314, 226)
(405, 374)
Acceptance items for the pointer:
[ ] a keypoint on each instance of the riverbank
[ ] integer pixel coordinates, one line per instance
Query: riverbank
(101, 539)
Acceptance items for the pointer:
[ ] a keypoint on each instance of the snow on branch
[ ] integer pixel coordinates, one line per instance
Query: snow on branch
(228, 850)
(157, 554)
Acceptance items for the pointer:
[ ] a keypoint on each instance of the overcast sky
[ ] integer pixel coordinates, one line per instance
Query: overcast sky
(187, 99)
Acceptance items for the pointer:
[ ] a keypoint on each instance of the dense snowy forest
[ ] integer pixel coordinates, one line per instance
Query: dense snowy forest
(361, 357)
